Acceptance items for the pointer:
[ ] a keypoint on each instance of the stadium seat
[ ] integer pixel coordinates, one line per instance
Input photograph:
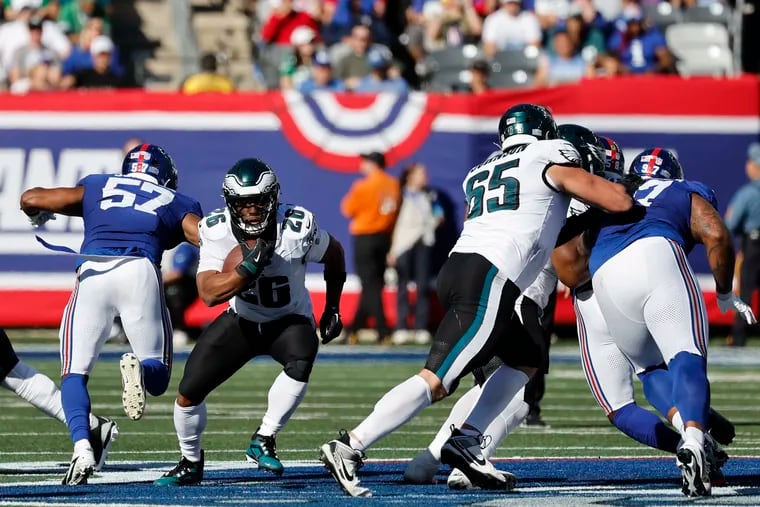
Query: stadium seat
(447, 67)
(662, 15)
(713, 13)
(514, 68)
(517, 59)
(510, 78)
(709, 61)
(696, 35)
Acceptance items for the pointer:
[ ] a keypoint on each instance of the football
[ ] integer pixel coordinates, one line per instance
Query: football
(235, 256)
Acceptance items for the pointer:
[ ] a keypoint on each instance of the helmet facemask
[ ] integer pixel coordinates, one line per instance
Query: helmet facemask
(253, 213)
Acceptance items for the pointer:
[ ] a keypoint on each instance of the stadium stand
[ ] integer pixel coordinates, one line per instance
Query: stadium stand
(701, 49)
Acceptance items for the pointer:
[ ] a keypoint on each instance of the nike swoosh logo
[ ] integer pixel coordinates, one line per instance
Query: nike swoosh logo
(474, 457)
(346, 473)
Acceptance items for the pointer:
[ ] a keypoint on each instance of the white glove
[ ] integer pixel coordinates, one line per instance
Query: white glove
(39, 218)
(729, 301)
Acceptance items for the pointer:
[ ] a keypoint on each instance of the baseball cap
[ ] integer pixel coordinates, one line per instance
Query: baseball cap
(376, 157)
(379, 58)
(101, 44)
(302, 35)
(753, 153)
(321, 58)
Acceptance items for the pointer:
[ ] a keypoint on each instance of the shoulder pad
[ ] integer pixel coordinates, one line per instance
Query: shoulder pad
(297, 221)
(215, 225)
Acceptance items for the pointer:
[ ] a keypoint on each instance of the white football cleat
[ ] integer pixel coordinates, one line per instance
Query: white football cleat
(457, 480)
(101, 438)
(133, 387)
(690, 458)
(81, 468)
(343, 462)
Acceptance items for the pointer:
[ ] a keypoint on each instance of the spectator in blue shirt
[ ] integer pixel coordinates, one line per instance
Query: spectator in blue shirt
(80, 57)
(743, 220)
(380, 78)
(321, 75)
(640, 49)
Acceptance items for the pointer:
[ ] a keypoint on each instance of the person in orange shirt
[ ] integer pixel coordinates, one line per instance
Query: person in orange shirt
(371, 205)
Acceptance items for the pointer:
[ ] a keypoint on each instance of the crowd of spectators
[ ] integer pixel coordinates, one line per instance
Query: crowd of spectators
(370, 44)
(355, 45)
(48, 45)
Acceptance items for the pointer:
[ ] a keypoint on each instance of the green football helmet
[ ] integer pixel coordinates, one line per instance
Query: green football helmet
(527, 119)
(252, 193)
(589, 146)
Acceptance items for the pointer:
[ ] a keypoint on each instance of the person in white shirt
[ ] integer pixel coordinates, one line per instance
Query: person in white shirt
(510, 27)
(15, 34)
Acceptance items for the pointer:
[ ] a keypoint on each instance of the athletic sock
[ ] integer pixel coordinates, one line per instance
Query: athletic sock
(496, 394)
(155, 376)
(284, 397)
(189, 422)
(76, 405)
(696, 435)
(691, 390)
(456, 417)
(35, 388)
(398, 406)
(505, 423)
(677, 422)
(645, 427)
(657, 384)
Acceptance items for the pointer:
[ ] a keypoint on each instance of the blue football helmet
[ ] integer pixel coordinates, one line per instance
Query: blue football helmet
(614, 161)
(656, 163)
(152, 160)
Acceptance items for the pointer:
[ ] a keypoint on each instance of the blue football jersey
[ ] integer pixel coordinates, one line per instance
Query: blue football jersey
(130, 216)
(663, 209)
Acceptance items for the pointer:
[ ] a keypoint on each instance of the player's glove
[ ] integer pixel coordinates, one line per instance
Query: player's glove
(330, 324)
(631, 182)
(255, 259)
(729, 301)
(40, 217)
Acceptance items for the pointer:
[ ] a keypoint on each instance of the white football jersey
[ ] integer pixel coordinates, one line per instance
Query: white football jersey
(281, 288)
(514, 211)
(541, 288)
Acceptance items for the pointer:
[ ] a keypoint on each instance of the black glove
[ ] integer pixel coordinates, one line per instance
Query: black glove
(255, 259)
(330, 324)
(631, 182)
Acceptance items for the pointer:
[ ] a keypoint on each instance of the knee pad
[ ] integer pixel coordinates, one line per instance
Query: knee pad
(299, 369)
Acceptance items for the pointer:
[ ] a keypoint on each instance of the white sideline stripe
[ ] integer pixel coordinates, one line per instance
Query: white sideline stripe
(682, 124)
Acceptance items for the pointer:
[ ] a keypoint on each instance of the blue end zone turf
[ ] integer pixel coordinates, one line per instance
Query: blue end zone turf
(630, 482)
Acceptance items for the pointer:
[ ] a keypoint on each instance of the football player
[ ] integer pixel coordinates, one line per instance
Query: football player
(660, 318)
(517, 201)
(40, 391)
(129, 220)
(269, 312)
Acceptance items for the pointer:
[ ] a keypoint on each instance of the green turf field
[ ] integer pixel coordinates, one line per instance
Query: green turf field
(340, 395)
